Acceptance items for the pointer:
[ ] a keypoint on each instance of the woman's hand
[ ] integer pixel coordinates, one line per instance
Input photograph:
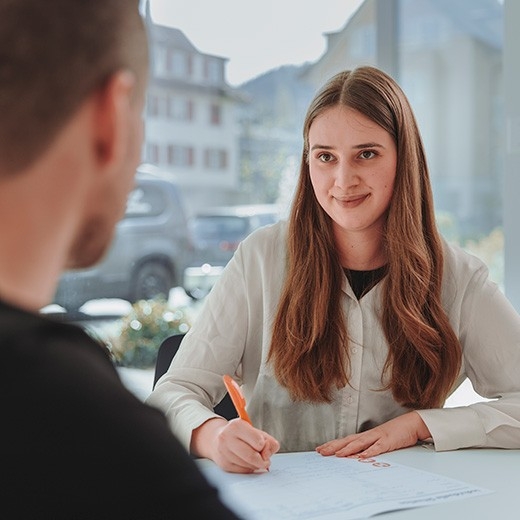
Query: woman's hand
(234, 445)
(397, 433)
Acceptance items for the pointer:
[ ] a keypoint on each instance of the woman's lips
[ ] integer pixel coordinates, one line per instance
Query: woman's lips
(351, 202)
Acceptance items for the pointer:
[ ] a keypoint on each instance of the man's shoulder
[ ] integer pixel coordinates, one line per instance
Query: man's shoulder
(75, 440)
(36, 342)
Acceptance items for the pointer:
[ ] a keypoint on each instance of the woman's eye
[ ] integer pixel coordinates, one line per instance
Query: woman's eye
(325, 157)
(367, 154)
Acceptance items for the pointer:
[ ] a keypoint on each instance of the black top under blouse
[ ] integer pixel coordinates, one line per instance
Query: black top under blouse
(362, 281)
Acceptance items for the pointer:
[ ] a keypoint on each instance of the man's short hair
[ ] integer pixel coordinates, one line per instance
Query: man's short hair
(52, 56)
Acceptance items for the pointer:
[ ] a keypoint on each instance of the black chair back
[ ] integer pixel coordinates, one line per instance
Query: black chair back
(167, 350)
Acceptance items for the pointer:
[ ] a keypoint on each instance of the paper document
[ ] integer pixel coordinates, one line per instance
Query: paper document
(309, 486)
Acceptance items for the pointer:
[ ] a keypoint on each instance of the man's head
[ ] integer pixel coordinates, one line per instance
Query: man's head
(73, 76)
(52, 56)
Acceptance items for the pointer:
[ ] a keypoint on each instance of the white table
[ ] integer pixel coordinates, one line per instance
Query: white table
(496, 470)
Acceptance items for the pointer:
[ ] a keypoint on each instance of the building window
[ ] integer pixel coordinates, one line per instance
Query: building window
(215, 159)
(157, 105)
(178, 64)
(180, 109)
(152, 153)
(177, 155)
(212, 71)
(160, 60)
(215, 114)
(152, 105)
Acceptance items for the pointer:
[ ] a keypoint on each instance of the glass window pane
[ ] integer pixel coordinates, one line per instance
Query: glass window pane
(450, 66)
(228, 137)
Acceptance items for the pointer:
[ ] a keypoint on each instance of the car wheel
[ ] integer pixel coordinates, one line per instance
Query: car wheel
(152, 280)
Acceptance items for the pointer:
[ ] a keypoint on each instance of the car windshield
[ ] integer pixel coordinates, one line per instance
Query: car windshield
(218, 228)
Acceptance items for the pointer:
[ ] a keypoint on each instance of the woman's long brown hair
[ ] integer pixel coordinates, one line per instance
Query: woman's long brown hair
(309, 346)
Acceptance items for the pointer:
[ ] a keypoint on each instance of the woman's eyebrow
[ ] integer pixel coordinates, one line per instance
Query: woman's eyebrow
(355, 147)
(321, 147)
(367, 145)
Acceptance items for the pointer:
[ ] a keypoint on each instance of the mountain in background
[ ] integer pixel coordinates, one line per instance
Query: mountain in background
(278, 99)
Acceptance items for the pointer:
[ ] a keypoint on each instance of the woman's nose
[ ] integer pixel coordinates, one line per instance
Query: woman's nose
(346, 175)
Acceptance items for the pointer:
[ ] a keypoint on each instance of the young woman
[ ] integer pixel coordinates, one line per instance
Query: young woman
(349, 325)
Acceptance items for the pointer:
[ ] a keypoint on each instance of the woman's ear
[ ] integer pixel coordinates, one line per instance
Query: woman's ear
(112, 105)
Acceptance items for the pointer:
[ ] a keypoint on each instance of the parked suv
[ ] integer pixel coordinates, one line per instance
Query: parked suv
(148, 254)
(215, 235)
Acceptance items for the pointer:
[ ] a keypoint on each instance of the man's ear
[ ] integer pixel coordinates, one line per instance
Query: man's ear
(112, 118)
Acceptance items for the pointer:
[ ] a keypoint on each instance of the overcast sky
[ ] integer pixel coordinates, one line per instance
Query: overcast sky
(256, 35)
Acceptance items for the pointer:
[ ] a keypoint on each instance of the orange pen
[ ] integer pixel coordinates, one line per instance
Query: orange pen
(238, 399)
(236, 396)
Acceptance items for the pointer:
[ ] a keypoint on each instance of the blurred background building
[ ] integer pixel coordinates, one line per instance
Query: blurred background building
(191, 123)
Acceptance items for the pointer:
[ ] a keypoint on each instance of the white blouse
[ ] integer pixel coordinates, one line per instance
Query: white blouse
(232, 333)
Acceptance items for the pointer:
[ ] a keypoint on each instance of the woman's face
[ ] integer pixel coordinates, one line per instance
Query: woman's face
(352, 163)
